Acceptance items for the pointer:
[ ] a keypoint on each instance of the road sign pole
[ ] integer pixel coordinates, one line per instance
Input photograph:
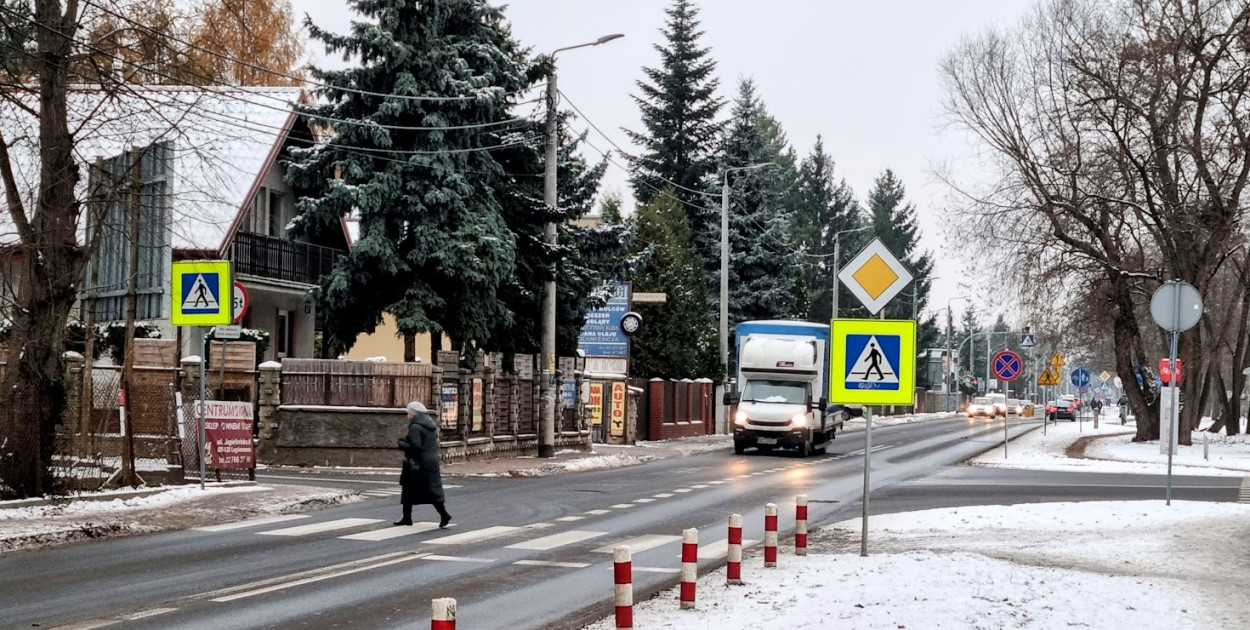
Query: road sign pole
(1174, 415)
(203, 378)
(863, 536)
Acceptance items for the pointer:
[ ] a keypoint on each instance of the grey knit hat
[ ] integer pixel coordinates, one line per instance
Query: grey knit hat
(416, 408)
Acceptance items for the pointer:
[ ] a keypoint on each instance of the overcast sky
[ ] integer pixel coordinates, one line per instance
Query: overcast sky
(863, 74)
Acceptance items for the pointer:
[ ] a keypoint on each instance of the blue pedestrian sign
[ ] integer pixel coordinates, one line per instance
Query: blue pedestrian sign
(1080, 377)
(872, 362)
(1027, 340)
(203, 293)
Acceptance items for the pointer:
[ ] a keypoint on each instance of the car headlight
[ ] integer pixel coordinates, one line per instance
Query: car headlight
(799, 420)
(740, 417)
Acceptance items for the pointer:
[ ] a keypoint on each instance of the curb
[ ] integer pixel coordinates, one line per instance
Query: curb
(130, 494)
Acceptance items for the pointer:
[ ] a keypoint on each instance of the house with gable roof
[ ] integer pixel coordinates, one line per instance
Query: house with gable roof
(203, 166)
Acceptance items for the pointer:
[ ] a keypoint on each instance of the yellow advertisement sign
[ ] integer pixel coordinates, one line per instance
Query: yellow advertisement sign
(203, 293)
(873, 362)
(596, 404)
(617, 415)
(479, 401)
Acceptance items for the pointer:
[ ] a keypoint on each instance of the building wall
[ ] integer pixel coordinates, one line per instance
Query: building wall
(386, 342)
(262, 313)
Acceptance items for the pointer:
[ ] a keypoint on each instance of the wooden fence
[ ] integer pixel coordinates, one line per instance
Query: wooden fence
(333, 383)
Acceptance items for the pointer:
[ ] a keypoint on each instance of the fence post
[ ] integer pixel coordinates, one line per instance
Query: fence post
(733, 568)
(770, 535)
(268, 398)
(800, 525)
(689, 566)
(444, 614)
(623, 590)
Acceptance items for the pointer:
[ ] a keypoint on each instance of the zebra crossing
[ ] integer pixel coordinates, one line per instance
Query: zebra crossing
(1243, 495)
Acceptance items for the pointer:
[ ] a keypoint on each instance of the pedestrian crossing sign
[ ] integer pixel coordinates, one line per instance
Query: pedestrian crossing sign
(873, 362)
(202, 293)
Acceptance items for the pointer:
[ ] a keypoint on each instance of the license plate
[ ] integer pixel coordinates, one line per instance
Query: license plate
(767, 440)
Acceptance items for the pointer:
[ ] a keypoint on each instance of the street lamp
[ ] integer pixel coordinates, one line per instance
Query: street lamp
(547, 431)
(837, 253)
(946, 378)
(724, 262)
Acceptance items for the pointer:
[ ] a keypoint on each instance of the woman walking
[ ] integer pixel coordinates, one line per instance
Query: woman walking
(420, 478)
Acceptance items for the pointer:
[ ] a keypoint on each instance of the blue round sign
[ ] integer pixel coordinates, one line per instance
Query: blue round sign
(1080, 377)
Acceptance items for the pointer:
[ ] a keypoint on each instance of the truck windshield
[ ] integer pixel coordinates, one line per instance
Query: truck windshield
(788, 392)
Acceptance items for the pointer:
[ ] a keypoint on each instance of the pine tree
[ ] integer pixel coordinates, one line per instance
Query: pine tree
(434, 246)
(678, 338)
(822, 208)
(761, 257)
(610, 209)
(679, 109)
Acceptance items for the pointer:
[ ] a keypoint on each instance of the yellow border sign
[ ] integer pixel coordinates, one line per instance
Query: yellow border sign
(202, 294)
(873, 362)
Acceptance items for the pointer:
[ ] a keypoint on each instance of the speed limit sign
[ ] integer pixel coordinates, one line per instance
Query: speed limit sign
(241, 302)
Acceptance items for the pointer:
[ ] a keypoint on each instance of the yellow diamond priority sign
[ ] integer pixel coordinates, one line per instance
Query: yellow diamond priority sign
(875, 276)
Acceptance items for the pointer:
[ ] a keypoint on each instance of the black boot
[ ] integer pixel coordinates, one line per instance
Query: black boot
(444, 516)
(407, 519)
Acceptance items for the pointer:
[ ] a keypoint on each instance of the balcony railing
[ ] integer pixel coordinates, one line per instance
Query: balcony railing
(271, 257)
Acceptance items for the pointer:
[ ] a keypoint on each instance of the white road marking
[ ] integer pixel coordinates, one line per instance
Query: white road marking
(549, 563)
(655, 570)
(644, 501)
(557, 540)
(89, 625)
(597, 512)
(717, 482)
(249, 523)
(570, 519)
(144, 614)
(397, 531)
(621, 506)
(663, 495)
(540, 525)
(682, 490)
(720, 548)
(316, 528)
(457, 559)
(700, 486)
(474, 536)
(353, 567)
(1243, 496)
(640, 544)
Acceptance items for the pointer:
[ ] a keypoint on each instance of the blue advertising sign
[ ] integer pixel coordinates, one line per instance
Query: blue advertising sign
(568, 393)
(602, 335)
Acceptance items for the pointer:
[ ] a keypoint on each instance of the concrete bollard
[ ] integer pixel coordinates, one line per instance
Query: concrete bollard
(800, 525)
(733, 568)
(444, 617)
(623, 573)
(689, 566)
(770, 535)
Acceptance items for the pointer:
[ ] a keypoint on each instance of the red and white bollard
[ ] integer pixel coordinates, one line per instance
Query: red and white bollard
(733, 569)
(770, 535)
(800, 525)
(444, 617)
(623, 572)
(689, 566)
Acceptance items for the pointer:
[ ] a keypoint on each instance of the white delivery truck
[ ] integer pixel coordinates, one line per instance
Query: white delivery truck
(781, 388)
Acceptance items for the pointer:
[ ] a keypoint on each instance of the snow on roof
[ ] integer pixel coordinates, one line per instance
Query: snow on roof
(222, 139)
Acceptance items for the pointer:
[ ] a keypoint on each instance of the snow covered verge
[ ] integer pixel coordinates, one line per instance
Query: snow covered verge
(1110, 449)
(1139, 565)
(175, 508)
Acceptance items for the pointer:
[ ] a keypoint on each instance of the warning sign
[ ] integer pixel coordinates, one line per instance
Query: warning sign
(202, 293)
(873, 362)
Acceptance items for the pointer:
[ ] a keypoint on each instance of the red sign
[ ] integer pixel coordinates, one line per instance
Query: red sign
(1165, 371)
(1007, 366)
(228, 432)
(240, 302)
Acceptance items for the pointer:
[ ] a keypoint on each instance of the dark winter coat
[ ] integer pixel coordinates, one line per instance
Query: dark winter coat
(420, 479)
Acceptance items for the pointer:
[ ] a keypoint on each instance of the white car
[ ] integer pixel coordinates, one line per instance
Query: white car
(981, 407)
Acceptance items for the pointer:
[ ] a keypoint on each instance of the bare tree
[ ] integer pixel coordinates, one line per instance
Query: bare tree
(1118, 133)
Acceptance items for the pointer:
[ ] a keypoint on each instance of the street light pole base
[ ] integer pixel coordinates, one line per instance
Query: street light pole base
(546, 450)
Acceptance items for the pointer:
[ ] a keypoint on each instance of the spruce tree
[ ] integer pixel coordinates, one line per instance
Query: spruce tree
(678, 338)
(822, 208)
(761, 256)
(679, 109)
(434, 246)
(894, 222)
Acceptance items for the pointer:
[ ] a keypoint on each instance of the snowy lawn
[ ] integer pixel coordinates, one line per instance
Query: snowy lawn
(1113, 451)
(1138, 565)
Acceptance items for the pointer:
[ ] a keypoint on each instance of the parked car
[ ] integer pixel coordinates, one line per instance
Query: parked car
(1062, 409)
(981, 407)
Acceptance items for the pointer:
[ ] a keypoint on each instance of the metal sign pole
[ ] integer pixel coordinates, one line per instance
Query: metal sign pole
(1174, 393)
(203, 378)
(863, 539)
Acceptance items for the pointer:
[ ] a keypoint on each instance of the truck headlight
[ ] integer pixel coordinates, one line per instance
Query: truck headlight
(799, 420)
(740, 417)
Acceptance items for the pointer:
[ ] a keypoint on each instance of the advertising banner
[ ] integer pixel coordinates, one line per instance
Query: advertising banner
(228, 434)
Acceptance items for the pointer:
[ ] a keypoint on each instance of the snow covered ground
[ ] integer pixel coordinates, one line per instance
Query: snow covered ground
(1114, 451)
(1109, 565)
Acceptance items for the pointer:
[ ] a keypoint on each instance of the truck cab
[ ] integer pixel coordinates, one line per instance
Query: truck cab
(781, 388)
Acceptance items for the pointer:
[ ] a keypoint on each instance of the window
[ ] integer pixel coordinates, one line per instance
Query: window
(789, 392)
(112, 186)
(268, 215)
(282, 335)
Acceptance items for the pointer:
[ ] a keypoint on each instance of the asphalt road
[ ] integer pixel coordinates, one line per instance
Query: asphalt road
(525, 552)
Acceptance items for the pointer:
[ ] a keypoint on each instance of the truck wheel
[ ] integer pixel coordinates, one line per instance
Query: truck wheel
(739, 448)
(822, 449)
(805, 449)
